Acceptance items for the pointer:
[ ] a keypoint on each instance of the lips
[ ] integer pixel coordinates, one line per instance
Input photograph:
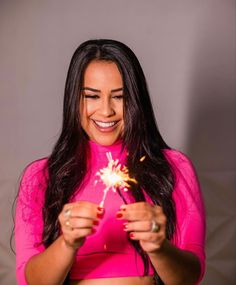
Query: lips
(105, 125)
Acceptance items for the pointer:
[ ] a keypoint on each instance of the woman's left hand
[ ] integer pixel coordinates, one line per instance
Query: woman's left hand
(145, 223)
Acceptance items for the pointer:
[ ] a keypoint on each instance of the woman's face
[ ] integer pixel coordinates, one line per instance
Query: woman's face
(101, 108)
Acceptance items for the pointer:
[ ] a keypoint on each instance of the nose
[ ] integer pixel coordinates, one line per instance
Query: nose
(106, 108)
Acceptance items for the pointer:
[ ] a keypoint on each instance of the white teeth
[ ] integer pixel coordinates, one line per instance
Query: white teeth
(105, 125)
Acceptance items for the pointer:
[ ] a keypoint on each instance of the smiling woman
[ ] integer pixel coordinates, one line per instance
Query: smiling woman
(101, 109)
(64, 234)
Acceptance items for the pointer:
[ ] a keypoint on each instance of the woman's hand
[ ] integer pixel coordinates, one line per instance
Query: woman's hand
(146, 223)
(78, 220)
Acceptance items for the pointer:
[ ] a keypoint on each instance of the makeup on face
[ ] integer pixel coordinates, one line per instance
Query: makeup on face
(101, 109)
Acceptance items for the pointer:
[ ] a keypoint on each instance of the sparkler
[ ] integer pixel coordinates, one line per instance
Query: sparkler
(114, 176)
(142, 158)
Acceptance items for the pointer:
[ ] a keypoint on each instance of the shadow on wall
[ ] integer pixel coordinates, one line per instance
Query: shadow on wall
(211, 146)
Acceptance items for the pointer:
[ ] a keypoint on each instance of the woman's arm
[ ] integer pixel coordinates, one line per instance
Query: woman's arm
(52, 265)
(36, 264)
(175, 266)
(181, 261)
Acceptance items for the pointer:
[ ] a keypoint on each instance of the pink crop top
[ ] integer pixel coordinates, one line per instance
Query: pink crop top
(106, 251)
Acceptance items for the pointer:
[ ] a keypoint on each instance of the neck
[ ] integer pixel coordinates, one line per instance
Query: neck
(99, 152)
(116, 146)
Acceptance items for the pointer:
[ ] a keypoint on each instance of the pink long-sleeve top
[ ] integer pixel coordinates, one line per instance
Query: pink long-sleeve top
(106, 251)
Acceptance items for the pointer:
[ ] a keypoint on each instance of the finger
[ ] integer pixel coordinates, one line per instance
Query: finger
(84, 204)
(135, 206)
(141, 206)
(141, 211)
(76, 223)
(73, 235)
(82, 209)
(147, 236)
(134, 215)
(89, 205)
(79, 223)
(140, 226)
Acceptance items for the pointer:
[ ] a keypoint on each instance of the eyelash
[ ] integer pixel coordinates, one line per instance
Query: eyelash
(118, 97)
(91, 96)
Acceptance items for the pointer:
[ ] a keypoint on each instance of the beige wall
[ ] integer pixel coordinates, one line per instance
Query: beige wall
(187, 49)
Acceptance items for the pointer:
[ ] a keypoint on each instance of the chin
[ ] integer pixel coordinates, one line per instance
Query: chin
(106, 142)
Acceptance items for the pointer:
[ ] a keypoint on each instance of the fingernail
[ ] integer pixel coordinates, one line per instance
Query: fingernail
(125, 226)
(93, 231)
(100, 208)
(99, 215)
(119, 215)
(95, 223)
(131, 235)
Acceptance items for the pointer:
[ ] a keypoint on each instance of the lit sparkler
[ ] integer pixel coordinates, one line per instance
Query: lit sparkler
(142, 158)
(114, 176)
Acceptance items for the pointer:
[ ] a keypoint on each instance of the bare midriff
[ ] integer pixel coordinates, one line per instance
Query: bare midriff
(146, 280)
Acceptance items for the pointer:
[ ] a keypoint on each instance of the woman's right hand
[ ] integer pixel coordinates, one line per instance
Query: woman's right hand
(78, 220)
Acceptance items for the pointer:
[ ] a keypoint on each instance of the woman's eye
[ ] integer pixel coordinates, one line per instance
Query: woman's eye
(90, 96)
(118, 97)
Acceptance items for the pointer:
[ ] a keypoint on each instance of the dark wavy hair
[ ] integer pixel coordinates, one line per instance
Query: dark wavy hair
(67, 163)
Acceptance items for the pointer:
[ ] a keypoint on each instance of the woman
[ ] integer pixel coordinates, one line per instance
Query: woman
(67, 231)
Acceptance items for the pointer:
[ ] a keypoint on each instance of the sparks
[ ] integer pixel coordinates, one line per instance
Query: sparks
(114, 176)
(142, 158)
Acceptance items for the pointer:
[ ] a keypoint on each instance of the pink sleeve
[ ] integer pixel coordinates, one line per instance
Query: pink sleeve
(190, 211)
(28, 218)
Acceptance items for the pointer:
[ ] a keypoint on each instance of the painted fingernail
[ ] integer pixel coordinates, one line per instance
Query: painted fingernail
(125, 226)
(100, 208)
(99, 215)
(93, 231)
(131, 235)
(119, 215)
(95, 223)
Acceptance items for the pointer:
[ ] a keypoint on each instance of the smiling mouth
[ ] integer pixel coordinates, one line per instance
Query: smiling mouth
(105, 125)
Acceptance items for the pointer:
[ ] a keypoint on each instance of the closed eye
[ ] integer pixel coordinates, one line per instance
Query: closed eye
(90, 96)
(118, 97)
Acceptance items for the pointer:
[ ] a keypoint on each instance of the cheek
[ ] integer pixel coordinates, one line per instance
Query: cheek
(85, 111)
(83, 114)
(120, 110)
(89, 109)
(123, 114)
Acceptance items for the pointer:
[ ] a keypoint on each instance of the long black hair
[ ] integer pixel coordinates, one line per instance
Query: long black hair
(67, 163)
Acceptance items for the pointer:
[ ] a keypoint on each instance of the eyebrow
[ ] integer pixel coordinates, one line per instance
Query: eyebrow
(97, 90)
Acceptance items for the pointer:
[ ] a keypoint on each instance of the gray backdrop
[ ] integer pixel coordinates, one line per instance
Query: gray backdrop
(187, 50)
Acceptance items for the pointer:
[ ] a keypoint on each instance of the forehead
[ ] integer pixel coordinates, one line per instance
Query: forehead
(102, 72)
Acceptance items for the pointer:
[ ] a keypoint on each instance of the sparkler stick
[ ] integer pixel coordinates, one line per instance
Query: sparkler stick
(114, 176)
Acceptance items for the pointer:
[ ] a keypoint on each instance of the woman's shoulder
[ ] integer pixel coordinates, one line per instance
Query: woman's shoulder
(33, 183)
(35, 172)
(180, 162)
(187, 185)
(176, 156)
(186, 178)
